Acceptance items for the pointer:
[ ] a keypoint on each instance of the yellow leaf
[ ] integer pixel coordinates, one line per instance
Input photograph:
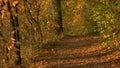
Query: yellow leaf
(2, 12)
(15, 3)
(12, 39)
(10, 47)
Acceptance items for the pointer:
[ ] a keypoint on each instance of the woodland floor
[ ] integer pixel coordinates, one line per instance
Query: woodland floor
(79, 52)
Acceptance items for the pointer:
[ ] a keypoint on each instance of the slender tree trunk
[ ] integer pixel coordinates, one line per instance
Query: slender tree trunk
(59, 11)
(16, 38)
(34, 21)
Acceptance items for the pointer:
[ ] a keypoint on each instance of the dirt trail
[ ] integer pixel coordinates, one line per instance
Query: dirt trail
(79, 52)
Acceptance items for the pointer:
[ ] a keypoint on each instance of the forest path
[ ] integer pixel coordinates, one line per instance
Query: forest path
(79, 52)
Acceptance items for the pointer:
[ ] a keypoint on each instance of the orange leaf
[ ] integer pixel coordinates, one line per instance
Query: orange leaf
(23, 7)
(5, 1)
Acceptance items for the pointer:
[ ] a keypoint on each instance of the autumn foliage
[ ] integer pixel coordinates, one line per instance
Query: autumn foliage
(29, 26)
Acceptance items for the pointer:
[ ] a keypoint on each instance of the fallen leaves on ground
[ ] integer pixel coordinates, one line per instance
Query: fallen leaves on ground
(79, 52)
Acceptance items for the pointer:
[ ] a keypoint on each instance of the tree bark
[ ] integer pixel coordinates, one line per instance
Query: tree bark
(15, 36)
(59, 11)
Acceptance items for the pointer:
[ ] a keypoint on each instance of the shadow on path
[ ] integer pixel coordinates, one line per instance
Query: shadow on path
(72, 50)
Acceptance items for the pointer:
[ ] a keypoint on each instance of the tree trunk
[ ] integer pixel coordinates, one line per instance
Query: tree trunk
(59, 20)
(14, 53)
